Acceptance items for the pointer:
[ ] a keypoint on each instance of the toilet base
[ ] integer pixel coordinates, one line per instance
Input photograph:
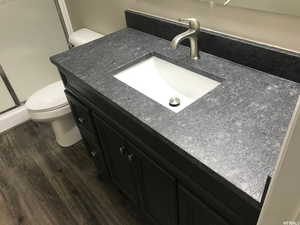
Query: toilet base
(65, 130)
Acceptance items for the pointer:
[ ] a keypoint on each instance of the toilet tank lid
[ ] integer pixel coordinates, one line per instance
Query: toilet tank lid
(83, 36)
(48, 98)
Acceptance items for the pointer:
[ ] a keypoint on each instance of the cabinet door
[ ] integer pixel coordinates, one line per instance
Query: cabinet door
(84, 120)
(192, 211)
(158, 191)
(94, 148)
(81, 113)
(118, 157)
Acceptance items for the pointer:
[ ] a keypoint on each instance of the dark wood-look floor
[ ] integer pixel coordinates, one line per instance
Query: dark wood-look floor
(44, 184)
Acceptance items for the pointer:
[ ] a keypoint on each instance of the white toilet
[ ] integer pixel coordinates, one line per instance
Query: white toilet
(51, 105)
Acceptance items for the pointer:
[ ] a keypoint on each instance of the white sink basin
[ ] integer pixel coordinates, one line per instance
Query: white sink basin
(161, 80)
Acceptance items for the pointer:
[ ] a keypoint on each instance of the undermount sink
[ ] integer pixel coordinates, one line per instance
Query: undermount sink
(161, 80)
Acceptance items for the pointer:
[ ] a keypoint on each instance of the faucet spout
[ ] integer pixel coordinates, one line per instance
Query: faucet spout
(191, 34)
(180, 37)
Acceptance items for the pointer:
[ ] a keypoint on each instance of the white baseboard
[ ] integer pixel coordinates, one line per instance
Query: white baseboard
(13, 118)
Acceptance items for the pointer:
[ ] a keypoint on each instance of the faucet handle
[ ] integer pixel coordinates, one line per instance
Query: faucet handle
(193, 23)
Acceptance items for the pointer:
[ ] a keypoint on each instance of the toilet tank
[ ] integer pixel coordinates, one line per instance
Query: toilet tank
(83, 36)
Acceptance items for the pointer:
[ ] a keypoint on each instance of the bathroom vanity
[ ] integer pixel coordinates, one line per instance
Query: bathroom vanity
(205, 164)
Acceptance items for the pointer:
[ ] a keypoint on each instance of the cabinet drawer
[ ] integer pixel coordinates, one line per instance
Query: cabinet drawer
(192, 211)
(80, 112)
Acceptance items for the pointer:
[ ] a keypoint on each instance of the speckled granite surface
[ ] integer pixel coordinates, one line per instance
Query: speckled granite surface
(236, 130)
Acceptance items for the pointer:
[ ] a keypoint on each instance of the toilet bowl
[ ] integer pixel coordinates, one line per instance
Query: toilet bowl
(51, 105)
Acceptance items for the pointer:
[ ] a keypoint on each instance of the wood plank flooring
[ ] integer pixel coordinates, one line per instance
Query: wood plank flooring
(44, 184)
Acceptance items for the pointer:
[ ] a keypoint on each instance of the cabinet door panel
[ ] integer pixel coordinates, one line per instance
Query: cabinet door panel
(158, 192)
(194, 212)
(117, 153)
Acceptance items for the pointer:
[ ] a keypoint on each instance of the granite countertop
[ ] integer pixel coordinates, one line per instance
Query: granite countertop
(236, 130)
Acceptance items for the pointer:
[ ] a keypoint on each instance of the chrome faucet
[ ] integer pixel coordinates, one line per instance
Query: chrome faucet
(192, 34)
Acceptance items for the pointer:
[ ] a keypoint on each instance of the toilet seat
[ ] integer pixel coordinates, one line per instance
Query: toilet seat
(50, 114)
(49, 98)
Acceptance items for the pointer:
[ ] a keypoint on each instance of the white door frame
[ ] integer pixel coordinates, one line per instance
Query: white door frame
(66, 16)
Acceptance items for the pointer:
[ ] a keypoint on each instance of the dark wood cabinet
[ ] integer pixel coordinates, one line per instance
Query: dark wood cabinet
(158, 191)
(148, 171)
(192, 211)
(119, 158)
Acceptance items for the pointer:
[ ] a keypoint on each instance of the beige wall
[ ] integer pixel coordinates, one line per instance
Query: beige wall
(282, 203)
(30, 34)
(270, 28)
